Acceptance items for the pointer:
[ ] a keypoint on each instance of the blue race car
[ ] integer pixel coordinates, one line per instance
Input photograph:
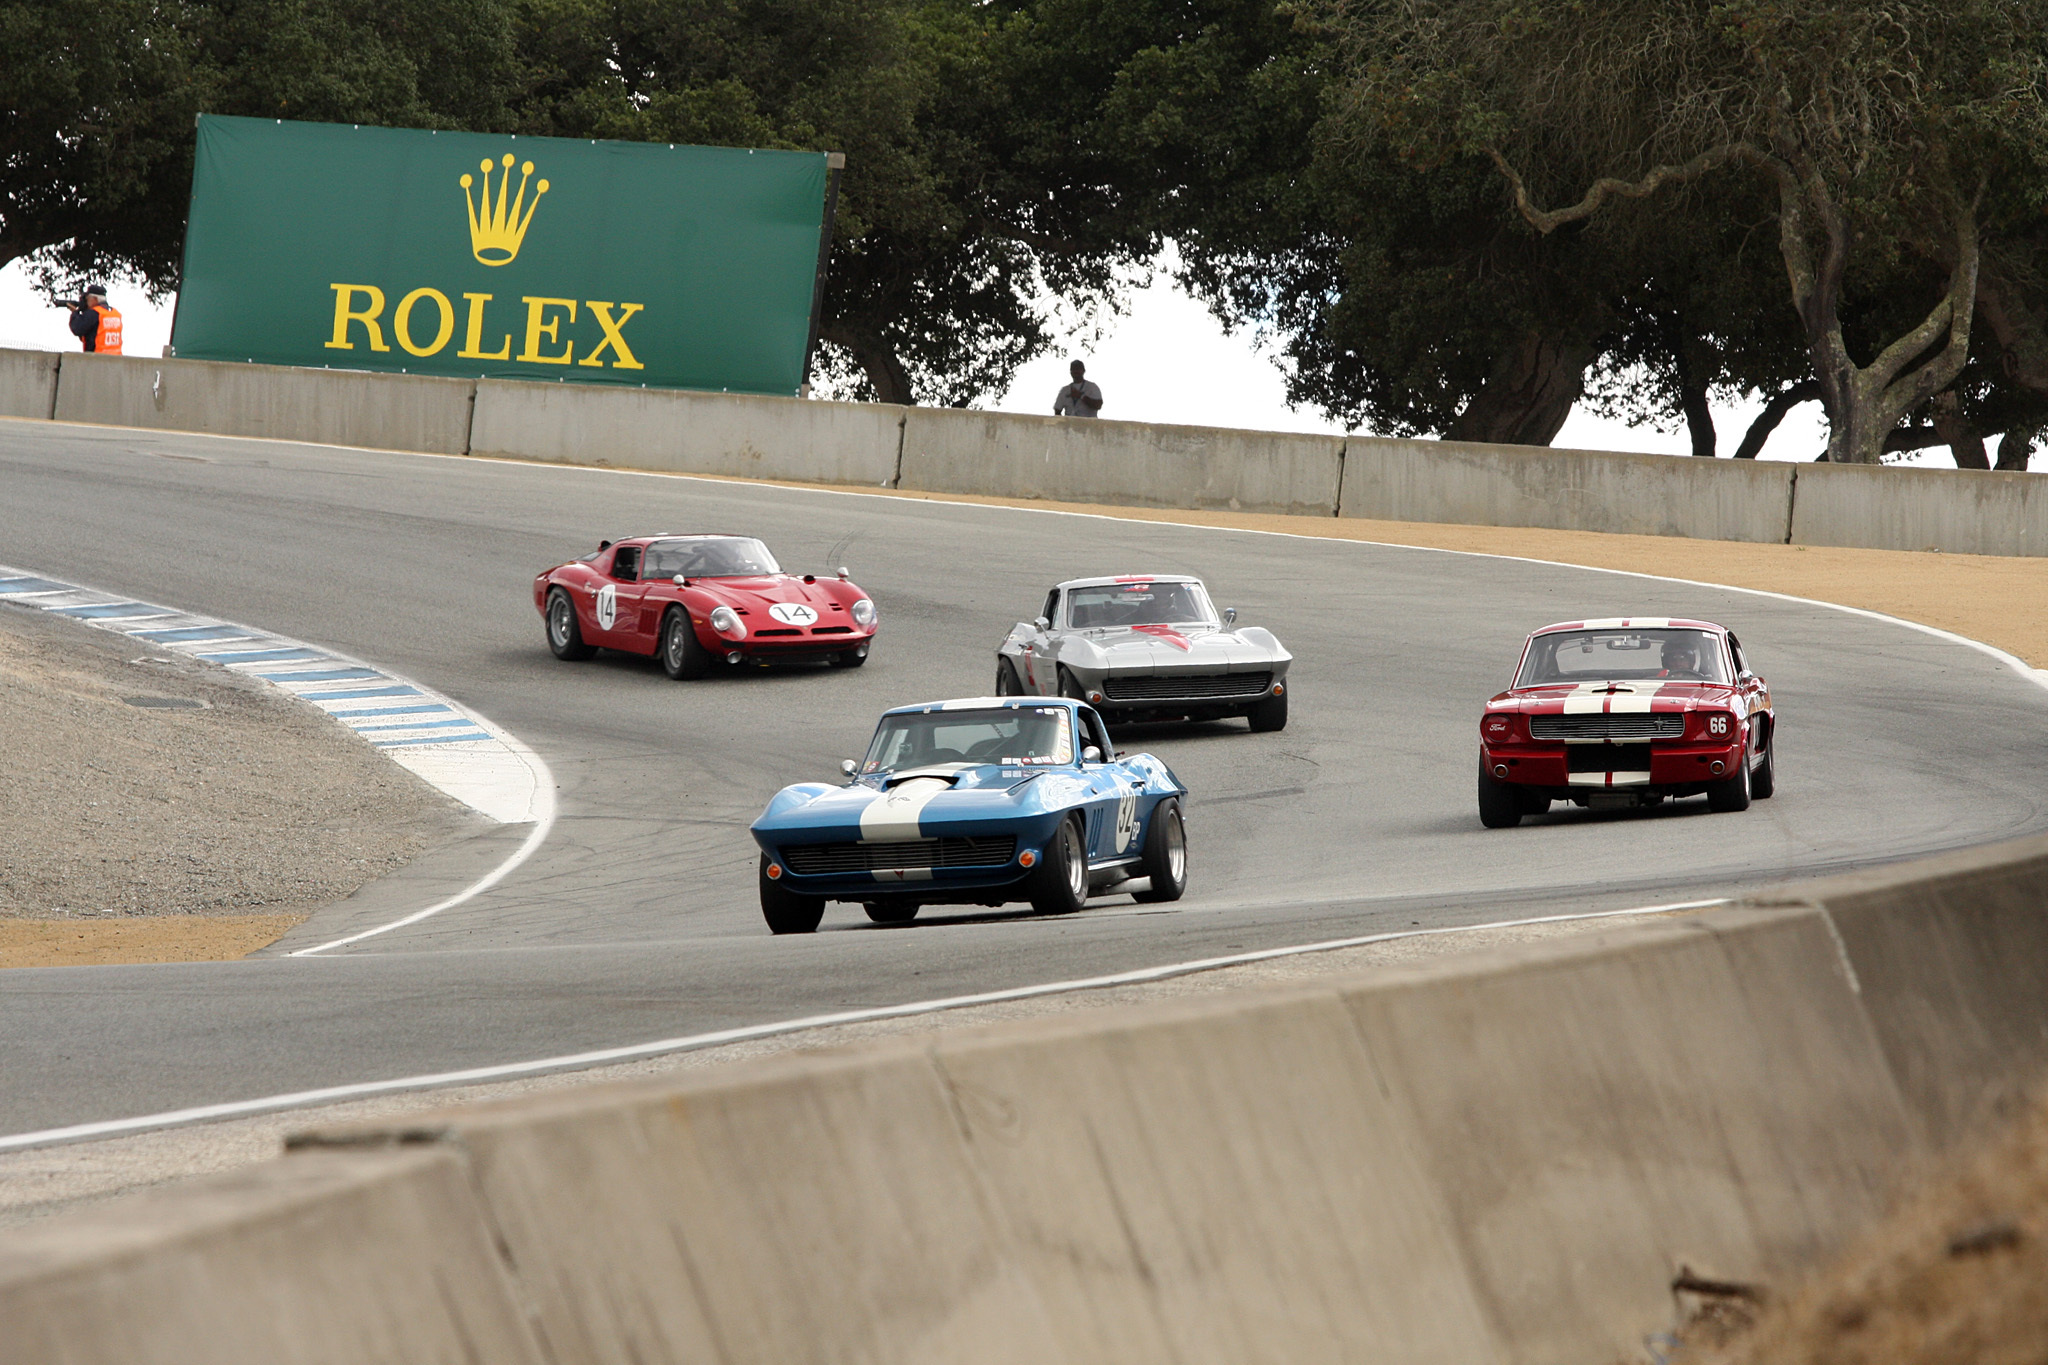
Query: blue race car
(977, 802)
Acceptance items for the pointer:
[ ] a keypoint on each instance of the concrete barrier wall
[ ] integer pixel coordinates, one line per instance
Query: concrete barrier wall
(332, 407)
(338, 1259)
(1481, 1159)
(1576, 490)
(28, 383)
(1960, 511)
(691, 433)
(945, 450)
(950, 450)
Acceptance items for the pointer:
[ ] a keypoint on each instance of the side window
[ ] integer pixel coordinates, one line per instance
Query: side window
(626, 566)
(1051, 610)
(1735, 648)
(1094, 732)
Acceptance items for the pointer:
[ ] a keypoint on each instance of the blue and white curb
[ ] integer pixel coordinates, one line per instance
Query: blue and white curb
(449, 745)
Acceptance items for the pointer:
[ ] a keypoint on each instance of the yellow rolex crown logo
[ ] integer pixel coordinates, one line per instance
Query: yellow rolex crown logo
(496, 230)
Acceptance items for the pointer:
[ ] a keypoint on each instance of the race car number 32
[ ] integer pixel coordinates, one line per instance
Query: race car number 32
(1126, 820)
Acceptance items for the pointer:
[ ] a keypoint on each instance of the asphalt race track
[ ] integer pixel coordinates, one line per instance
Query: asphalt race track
(637, 919)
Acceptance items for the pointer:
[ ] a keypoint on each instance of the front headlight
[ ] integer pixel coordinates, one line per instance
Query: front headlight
(1498, 728)
(864, 612)
(726, 622)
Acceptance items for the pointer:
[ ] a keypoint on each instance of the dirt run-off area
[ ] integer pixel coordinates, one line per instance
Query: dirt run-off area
(158, 809)
(1957, 1275)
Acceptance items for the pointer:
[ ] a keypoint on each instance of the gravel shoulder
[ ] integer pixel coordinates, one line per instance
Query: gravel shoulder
(160, 809)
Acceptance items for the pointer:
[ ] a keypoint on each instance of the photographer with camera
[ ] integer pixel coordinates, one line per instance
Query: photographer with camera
(96, 324)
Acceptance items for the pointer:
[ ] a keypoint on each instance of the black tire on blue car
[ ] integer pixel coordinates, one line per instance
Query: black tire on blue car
(1268, 715)
(682, 655)
(1165, 860)
(1500, 805)
(565, 632)
(1059, 884)
(892, 911)
(786, 911)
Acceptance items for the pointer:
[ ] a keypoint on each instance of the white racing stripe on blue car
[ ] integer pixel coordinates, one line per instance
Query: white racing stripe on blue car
(893, 815)
(450, 746)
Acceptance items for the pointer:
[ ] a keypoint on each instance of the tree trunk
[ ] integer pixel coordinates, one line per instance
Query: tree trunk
(1691, 375)
(1805, 391)
(1528, 395)
(2015, 448)
(1945, 410)
(2022, 339)
(878, 360)
(1865, 402)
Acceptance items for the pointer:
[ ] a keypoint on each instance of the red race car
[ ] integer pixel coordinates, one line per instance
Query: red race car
(691, 600)
(1609, 714)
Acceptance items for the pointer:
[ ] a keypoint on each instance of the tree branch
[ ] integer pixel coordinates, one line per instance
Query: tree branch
(1607, 186)
(1774, 412)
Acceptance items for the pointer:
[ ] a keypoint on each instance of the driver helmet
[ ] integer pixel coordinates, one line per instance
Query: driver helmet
(1681, 655)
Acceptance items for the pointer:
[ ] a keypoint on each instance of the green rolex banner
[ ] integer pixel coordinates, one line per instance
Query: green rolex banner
(543, 258)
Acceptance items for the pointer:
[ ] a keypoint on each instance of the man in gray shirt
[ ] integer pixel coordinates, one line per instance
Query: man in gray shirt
(1080, 398)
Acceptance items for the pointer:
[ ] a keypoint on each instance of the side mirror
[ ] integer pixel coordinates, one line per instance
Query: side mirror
(1230, 616)
(1091, 754)
(1043, 623)
(848, 766)
(842, 573)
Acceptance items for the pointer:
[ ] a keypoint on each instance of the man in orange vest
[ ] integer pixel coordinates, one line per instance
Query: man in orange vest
(96, 324)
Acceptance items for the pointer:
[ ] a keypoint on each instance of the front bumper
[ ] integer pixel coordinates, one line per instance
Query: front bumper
(901, 877)
(1567, 769)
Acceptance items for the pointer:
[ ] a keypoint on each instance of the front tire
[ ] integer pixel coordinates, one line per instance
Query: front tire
(786, 911)
(1764, 780)
(1008, 684)
(1166, 855)
(1070, 687)
(1268, 715)
(1500, 805)
(682, 656)
(565, 632)
(891, 911)
(1059, 885)
(1731, 793)
(851, 658)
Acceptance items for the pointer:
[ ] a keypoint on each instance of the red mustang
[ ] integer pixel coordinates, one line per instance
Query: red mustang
(1606, 714)
(692, 599)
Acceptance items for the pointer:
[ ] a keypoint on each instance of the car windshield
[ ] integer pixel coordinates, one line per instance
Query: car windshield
(1139, 604)
(708, 557)
(1625, 655)
(1011, 734)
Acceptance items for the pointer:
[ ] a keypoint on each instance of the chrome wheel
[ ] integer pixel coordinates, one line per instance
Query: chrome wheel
(558, 622)
(1077, 860)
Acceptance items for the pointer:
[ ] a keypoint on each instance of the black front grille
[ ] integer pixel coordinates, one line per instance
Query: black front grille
(893, 855)
(1608, 758)
(776, 630)
(1601, 725)
(1186, 686)
(833, 630)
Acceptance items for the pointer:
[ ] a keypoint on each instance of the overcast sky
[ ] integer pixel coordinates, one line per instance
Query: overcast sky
(1165, 360)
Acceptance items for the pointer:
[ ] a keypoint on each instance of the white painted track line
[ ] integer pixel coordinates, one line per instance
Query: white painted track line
(633, 1051)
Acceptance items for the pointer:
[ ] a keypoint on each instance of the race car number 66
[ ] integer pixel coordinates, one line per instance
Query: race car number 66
(1717, 725)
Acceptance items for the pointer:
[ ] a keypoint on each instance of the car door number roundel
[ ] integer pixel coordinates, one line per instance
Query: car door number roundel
(607, 606)
(1126, 819)
(793, 613)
